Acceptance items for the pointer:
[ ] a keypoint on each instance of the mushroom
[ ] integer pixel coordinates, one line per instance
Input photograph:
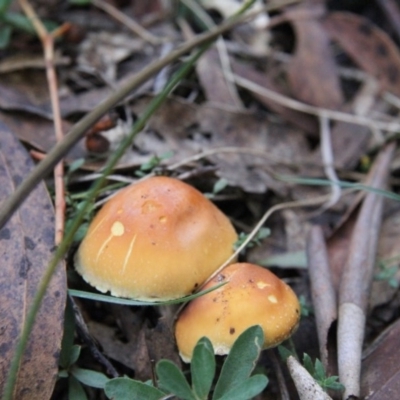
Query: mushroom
(252, 296)
(158, 239)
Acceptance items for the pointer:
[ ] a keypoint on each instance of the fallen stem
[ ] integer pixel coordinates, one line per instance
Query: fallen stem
(47, 40)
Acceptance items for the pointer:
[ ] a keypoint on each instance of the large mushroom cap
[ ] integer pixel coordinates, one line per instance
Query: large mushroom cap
(155, 240)
(252, 296)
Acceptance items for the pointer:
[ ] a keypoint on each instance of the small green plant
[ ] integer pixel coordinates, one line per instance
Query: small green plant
(317, 371)
(305, 307)
(388, 271)
(154, 162)
(233, 383)
(218, 187)
(256, 241)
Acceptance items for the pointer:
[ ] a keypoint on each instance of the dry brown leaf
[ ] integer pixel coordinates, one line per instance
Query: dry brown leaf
(19, 61)
(101, 52)
(357, 277)
(338, 248)
(213, 81)
(301, 120)
(38, 132)
(186, 129)
(350, 141)
(132, 353)
(312, 72)
(380, 379)
(388, 256)
(322, 289)
(26, 244)
(22, 98)
(370, 47)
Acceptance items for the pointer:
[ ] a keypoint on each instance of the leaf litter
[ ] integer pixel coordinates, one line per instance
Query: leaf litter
(216, 129)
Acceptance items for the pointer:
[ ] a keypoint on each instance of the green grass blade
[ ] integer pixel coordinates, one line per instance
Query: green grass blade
(128, 302)
(343, 184)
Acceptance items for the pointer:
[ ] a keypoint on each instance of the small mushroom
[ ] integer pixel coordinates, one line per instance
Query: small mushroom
(158, 239)
(252, 296)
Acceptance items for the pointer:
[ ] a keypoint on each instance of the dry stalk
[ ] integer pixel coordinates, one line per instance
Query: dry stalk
(131, 24)
(47, 39)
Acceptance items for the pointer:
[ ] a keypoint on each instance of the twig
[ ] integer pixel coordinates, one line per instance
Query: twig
(47, 40)
(83, 332)
(392, 12)
(284, 392)
(328, 161)
(290, 204)
(128, 22)
(390, 126)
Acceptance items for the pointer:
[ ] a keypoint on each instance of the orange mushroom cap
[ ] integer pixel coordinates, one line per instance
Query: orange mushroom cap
(158, 239)
(252, 296)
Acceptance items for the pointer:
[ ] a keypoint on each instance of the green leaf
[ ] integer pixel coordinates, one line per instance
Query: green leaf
(68, 336)
(19, 21)
(285, 353)
(202, 368)
(90, 378)
(343, 184)
(117, 300)
(332, 383)
(75, 353)
(5, 36)
(241, 360)
(256, 241)
(75, 389)
(320, 373)
(75, 165)
(172, 379)
(63, 373)
(308, 365)
(220, 185)
(306, 308)
(129, 389)
(247, 389)
(4, 4)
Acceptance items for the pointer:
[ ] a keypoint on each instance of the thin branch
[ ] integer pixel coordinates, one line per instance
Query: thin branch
(290, 204)
(328, 161)
(390, 126)
(47, 40)
(128, 22)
